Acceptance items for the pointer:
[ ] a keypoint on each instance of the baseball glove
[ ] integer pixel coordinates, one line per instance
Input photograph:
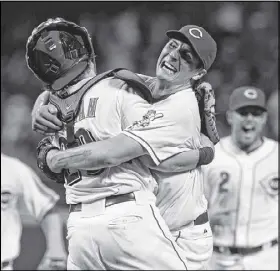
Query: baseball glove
(50, 263)
(44, 146)
(206, 102)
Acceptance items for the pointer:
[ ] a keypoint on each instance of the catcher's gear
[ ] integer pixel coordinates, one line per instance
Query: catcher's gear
(43, 148)
(50, 263)
(69, 106)
(206, 102)
(58, 51)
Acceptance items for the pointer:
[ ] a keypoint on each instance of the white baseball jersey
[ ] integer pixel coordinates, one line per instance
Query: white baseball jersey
(242, 191)
(171, 126)
(102, 115)
(20, 185)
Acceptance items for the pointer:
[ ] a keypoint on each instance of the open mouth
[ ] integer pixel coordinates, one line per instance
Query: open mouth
(248, 129)
(168, 67)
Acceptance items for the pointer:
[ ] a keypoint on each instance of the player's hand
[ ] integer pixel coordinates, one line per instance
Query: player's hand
(206, 142)
(44, 119)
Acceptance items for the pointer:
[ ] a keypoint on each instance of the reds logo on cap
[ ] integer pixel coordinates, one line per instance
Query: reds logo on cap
(195, 32)
(251, 93)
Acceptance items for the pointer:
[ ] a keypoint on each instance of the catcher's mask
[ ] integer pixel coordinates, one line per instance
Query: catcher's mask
(58, 51)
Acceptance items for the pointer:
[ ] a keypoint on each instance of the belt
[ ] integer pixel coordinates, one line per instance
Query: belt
(5, 264)
(108, 201)
(201, 219)
(244, 250)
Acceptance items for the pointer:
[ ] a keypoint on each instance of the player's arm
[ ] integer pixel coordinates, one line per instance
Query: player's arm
(55, 254)
(186, 160)
(117, 150)
(52, 227)
(96, 155)
(181, 162)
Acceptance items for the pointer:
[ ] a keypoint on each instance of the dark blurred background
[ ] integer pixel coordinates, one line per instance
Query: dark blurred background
(131, 35)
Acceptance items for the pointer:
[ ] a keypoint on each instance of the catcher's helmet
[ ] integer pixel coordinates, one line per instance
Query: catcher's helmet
(58, 51)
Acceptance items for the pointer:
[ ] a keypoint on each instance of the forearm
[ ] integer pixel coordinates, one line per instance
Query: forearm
(180, 162)
(52, 227)
(183, 161)
(97, 155)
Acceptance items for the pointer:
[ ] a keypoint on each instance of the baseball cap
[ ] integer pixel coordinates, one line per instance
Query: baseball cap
(247, 96)
(200, 40)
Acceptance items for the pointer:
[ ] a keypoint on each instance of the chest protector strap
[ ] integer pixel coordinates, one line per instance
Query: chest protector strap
(68, 107)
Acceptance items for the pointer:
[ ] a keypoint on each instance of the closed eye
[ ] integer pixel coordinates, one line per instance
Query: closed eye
(187, 56)
(172, 45)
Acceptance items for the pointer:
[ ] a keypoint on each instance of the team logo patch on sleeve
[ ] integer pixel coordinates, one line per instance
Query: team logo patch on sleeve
(151, 115)
(271, 185)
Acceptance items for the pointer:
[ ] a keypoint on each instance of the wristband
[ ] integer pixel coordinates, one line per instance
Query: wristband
(206, 155)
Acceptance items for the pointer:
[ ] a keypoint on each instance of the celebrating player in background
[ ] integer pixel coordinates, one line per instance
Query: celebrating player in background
(20, 185)
(187, 56)
(241, 185)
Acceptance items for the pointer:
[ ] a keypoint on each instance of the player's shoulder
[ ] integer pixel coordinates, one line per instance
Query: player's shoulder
(117, 83)
(186, 98)
(223, 144)
(109, 83)
(15, 164)
(121, 84)
(126, 82)
(271, 144)
(9, 160)
(224, 150)
(270, 141)
(126, 89)
(102, 88)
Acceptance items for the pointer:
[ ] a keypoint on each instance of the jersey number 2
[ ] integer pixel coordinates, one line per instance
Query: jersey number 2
(82, 136)
(225, 178)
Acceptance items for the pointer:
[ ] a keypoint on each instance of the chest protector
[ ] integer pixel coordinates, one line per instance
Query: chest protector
(68, 107)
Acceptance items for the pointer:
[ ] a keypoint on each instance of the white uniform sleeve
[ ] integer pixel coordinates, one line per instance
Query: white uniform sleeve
(163, 136)
(131, 106)
(37, 197)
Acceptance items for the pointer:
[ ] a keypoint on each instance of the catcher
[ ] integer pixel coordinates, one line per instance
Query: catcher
(174, 52)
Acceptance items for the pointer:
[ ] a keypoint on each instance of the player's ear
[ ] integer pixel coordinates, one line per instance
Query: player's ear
(229, 117)
(199, 75)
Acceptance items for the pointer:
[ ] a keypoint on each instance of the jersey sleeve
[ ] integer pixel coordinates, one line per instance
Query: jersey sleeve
(163, 136)
(130, 106)
(37, 197)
